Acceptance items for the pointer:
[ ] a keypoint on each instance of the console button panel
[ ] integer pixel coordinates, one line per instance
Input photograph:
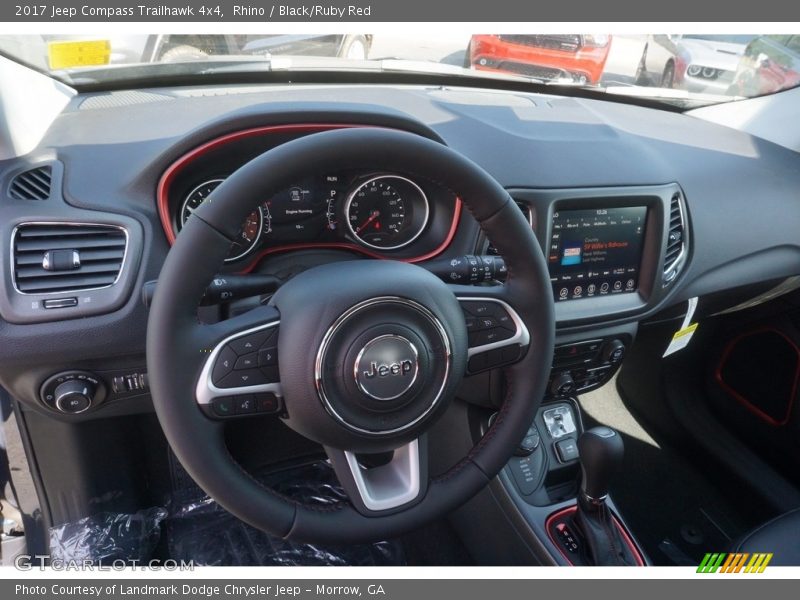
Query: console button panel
(544, 469)
(586, 364)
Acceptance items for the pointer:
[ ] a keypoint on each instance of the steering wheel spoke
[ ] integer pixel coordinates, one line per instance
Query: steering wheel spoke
(383, 483)
(240, 376)
(497, 334)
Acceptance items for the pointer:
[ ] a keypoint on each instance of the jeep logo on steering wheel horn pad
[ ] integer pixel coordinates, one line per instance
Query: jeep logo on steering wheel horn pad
(386, 367)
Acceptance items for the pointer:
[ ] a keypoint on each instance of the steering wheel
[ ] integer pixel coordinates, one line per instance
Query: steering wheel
(370, 352)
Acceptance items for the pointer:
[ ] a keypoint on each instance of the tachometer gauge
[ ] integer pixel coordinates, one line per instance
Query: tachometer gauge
(386, 212)
(251, 229)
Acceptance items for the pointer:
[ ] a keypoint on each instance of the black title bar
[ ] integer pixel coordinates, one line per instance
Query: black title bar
(361, 11)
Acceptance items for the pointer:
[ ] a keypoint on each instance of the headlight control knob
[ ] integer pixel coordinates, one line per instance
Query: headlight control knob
(72, 392)
(74, 396)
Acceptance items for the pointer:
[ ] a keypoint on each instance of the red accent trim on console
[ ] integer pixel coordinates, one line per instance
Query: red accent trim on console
(572, 509)
(162, 193)
(744, 401)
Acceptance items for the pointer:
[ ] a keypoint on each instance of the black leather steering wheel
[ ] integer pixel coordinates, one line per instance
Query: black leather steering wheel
(370, 351)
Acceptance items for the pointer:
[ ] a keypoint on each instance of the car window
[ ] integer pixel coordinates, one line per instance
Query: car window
(687, 69)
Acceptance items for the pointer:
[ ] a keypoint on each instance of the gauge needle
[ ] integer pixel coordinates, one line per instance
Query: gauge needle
(374, 215)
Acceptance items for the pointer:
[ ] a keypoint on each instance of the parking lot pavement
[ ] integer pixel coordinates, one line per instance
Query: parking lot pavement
(448, 48)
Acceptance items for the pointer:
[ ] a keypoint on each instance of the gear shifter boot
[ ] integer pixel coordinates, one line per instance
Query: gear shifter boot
(602, 537)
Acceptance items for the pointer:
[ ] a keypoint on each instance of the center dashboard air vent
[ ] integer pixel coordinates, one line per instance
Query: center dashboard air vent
(60, 257)
(675, 254)
(527, 210)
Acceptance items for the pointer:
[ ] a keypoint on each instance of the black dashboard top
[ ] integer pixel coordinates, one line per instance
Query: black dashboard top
(740, 192)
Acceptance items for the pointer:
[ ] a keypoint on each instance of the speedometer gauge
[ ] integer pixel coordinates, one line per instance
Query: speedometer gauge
(251, 229)
(386, 212)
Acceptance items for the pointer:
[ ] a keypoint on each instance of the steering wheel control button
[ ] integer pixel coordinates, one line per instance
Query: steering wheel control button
(268, 357)
(491, 336)
(244, 405)
(223, 407)
(387, 367)
(224, 364)
(251, 342)
(244, 378)
(267, 402)
(510, 354)
(480, 309)
(248, 361)
(271, 374)
(506, 322)
(492, 359)
(567, 450)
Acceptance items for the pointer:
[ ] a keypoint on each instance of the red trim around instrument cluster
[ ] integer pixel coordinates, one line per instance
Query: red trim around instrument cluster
(169, 175)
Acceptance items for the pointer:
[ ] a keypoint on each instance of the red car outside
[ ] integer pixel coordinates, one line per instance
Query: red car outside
(571, 58)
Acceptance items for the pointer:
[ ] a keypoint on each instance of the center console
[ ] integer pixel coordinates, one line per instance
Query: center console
(612, 254)
(545, 487)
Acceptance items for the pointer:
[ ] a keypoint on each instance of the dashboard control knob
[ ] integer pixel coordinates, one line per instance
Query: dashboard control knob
(74, 396)
(562, 385)
(614, 352)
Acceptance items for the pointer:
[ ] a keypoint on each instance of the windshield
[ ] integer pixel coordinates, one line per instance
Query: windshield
(688, 70)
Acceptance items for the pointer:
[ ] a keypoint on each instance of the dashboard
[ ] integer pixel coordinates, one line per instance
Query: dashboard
(636, 209)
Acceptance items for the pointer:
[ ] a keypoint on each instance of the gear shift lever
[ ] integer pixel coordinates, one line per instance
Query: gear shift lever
(601, 450)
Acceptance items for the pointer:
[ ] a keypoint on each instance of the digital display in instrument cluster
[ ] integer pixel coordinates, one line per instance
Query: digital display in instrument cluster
(597, 252)
(303, 211)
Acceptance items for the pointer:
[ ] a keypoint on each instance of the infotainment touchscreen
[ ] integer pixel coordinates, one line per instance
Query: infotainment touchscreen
(597, 252)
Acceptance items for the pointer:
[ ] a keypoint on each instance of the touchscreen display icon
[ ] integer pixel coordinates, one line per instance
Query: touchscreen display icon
(572, 256)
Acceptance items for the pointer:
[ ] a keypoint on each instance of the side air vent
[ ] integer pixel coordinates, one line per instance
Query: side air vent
(32, 185)
(527, 210)
(60, 257)
(676, 240)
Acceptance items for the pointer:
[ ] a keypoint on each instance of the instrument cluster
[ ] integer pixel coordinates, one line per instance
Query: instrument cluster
(382, 212)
